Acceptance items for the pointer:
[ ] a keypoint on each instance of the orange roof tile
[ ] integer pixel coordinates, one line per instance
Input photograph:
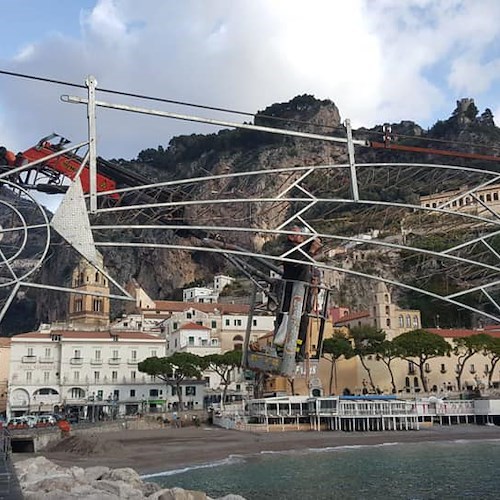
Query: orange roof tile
(193, 326)
(459, 332)
(73, 334)
(352, 316)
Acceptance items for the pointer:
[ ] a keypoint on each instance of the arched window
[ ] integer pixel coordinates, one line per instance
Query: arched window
(401, 321)
(415, 321)
(388, 322)
(387, 310)
(386, 296)
(408, 321)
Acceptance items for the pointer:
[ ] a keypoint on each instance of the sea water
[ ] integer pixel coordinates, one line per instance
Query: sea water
(427, 470)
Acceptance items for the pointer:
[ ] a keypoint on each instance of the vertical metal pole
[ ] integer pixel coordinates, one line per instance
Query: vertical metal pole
(352, 162)
(91, 83)
(294, 316)
(244, 359)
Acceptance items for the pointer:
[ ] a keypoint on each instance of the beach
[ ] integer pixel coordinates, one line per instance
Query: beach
(164, 449)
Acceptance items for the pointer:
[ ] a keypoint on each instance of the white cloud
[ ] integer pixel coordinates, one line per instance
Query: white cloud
(378, 61)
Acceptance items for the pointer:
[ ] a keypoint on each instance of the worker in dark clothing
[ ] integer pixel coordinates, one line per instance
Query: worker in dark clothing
(293, 271)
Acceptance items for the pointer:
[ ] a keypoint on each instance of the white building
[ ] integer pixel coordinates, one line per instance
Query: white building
(52, 370)
(193, 338)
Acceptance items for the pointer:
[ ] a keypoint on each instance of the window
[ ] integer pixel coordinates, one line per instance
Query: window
(78, 305)
(48, 352)
(132, 375)
(415, 321)
(116, 354)
(30, 351)
(153, 393)
(114, 376)
(472, 368)
(76, 376)
(133, 354)
(191, 390)
(100, 394)
(388, 321)
(96, 376)
(386, 297)
(214, 342)
(254, 322)
(411, 367)
(175, 325)
(387, 310)
(97, 355)
(132, 393)
(401, 321)
(227, 322)
(408, 321)
(153, 353)
(189, 315)
(427, 367)
(77, 393)
(237, 322)
(116, 394)
(28, 376)
(443, 368)
(97, 305)
(77, 354)
(191, 340)
(214, 324)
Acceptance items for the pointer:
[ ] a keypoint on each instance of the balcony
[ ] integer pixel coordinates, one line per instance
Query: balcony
(132, 361)
(76, 361)
(114, 361)
(28, 359)
(96, 361)
(46, 360)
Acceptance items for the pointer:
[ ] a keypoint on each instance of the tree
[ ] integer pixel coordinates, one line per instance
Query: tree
(465, 348)
(173, 370)
(367, 339)
(387, 352)
(336, 347)
(423, 346)
(493, 353)
(223, 365)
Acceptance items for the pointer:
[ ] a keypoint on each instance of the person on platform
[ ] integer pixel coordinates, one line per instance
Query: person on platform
(297, 271)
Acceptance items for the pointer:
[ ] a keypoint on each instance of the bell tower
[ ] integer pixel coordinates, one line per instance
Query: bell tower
(87, 309)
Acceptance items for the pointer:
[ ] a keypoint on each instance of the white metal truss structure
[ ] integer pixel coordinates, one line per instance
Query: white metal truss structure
(314, 197)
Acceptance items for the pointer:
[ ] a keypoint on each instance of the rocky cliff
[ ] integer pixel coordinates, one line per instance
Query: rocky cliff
(162, 272)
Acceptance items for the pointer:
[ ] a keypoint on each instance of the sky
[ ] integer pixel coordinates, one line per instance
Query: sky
(378, 60)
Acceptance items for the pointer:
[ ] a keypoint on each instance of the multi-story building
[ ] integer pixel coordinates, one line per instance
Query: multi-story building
(205, 294)
(461, 201)
(82, 369)
(4, 373)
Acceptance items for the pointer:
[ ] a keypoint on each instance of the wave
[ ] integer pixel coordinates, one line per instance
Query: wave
(231, 460)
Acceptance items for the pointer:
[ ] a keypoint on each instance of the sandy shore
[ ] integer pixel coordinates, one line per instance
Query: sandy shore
(151, 451)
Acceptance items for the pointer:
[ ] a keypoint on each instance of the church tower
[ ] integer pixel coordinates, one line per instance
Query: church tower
(87, 309)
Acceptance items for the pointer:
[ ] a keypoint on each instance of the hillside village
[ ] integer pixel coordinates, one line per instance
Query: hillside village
(88, 366)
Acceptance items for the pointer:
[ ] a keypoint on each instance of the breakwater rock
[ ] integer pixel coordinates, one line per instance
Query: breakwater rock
(41, 479)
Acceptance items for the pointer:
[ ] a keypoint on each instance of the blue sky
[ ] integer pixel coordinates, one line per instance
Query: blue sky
(378, 60)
